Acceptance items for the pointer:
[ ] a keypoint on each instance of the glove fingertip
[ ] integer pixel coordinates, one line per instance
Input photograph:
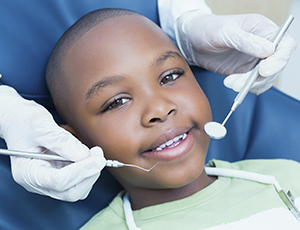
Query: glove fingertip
(271, 67)
(94, 163)
(96, 151)
(228, 81)
(235, 81)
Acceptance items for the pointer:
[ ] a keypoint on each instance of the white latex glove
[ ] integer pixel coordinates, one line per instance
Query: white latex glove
(170, 10)
(27, 126)
(232, 45)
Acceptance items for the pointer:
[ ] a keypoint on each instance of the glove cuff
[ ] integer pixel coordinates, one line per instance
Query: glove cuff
(170, 10)
(182, 35)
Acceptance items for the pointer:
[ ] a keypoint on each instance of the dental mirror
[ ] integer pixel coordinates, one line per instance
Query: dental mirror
(215, 130)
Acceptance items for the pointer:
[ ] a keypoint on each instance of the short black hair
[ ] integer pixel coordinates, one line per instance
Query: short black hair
(54, 72)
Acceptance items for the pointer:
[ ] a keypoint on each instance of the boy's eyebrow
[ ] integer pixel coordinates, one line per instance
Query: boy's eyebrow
(115, 79)
(102, 84)
(167, 55)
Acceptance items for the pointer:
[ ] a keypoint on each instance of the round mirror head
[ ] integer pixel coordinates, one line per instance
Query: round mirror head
(215, 130)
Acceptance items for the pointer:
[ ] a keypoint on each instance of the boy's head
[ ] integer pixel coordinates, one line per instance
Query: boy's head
(121, 84)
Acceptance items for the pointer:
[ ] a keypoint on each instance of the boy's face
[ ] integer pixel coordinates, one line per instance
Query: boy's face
(132, 92)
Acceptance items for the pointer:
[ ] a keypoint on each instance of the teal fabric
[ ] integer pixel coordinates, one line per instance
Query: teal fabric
(224, 201)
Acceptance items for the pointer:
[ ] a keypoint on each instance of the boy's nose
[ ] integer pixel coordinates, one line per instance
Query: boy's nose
(157, 110)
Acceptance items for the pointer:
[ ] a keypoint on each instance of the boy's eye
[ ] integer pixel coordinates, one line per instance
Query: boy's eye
(116, 103)
(171, 76)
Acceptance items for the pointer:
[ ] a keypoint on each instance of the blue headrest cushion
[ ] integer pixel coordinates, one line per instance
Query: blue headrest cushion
(30, 30)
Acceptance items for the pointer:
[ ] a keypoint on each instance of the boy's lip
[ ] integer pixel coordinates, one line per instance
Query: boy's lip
(184, 140)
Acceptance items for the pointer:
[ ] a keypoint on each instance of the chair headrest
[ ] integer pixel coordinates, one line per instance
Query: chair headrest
(30, 32)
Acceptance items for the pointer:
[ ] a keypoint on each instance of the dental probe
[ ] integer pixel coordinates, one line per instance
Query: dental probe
(117, 164)
(255, 73)
(44, 156)
(218, 131)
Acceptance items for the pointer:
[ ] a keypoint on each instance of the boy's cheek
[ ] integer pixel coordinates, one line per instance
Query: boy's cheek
(195, 101)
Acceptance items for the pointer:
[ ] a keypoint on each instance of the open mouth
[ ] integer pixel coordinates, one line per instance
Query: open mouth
(173, 148)
(171, 143)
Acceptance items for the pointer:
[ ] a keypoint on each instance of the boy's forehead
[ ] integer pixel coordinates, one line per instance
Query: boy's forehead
(122, 35)
(129, 26)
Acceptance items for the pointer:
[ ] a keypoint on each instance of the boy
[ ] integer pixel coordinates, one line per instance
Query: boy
(120, 83)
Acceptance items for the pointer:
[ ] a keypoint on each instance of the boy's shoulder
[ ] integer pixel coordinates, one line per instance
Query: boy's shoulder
(286, 172)
(113, 216)
(257, 165)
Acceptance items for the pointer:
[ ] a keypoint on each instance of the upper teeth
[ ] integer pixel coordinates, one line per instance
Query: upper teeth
(170, 142)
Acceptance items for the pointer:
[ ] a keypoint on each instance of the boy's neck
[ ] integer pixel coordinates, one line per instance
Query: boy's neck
(141, 198)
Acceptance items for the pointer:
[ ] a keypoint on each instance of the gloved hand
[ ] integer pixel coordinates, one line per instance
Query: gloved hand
(232, 45)
(27, 126)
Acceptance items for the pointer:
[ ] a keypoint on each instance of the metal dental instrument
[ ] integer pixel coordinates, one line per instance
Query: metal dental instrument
(254, 74)
(44, 156)
(218, 131)
(117, 164)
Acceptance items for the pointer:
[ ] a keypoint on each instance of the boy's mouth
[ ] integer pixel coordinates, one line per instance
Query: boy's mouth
(172, 148)
(171, 143)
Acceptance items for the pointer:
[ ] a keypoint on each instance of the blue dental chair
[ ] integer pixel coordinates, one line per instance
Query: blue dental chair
(266, 126)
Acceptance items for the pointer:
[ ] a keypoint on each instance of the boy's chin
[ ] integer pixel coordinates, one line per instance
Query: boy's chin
(178, 179)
